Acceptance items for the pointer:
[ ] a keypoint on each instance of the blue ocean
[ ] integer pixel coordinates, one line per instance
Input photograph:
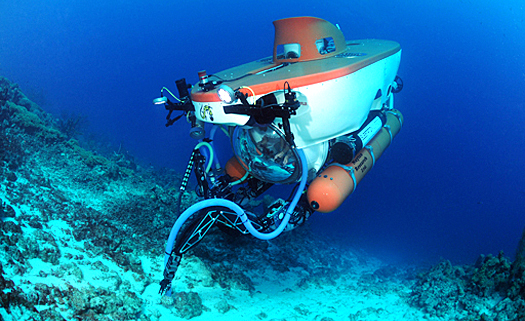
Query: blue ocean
(445, 202)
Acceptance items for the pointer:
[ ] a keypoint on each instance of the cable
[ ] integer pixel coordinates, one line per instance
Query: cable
(234, 79)
(172, 95)
(240, 180)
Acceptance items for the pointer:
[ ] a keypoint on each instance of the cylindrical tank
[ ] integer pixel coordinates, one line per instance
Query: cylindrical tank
(333, 185)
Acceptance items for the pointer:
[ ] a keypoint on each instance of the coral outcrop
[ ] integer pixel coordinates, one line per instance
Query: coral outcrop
(492, 289)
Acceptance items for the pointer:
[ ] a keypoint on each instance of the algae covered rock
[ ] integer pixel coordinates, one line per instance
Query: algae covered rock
(30, 122)
(89, 158)
(19, 117)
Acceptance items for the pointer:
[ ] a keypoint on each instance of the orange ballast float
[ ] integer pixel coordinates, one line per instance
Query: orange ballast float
(333, 185)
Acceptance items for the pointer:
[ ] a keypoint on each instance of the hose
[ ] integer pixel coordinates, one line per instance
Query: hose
(212, 137)
(210, 148)
(240, 212)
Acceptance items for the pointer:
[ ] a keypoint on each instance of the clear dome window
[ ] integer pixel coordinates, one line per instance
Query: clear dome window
(266, 154)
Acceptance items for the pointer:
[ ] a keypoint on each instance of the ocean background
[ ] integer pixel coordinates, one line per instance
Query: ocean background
(450, 186)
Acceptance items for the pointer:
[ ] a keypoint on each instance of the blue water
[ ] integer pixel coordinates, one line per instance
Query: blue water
(452, 183)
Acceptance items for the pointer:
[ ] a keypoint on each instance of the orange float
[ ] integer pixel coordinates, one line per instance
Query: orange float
(333, 185)
(234, 169)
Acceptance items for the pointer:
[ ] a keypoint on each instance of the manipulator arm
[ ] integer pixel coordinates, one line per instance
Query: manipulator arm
(184, 102)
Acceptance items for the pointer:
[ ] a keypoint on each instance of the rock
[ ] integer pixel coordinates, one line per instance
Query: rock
(437, 291)
(131, 307)
(79, 300)
(491, 275)
(223, 306)
(6, 210)
(98, 265)
(187, 304)
(97, 304)
(113, 280)
(517, 273)
(10, 176)
(196, 272)
(11, 227)
(136, 264)
(387, 272)
(167, 301)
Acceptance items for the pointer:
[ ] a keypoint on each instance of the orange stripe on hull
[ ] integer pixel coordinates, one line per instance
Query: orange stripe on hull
(301, 74)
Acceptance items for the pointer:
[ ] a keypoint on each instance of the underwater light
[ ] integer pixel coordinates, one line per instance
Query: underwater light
(226, 94)
(160, 100)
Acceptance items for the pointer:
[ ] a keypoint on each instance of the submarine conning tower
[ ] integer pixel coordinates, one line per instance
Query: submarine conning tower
(301, 39)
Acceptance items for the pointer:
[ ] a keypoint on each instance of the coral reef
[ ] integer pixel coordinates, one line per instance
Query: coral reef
(81, 238)
(12, 153)
(441, 289)
(491, 275)
(19, 114)
(492, 289)
(63, 182)
(71, 125)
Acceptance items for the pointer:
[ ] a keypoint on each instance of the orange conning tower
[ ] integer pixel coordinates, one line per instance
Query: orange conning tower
(305, 31)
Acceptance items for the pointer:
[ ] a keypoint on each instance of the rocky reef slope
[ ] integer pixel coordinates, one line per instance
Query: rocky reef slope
(82, 236)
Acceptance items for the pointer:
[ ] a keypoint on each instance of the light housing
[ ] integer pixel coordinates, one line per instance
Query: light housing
(226, 94)
(160, 100)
